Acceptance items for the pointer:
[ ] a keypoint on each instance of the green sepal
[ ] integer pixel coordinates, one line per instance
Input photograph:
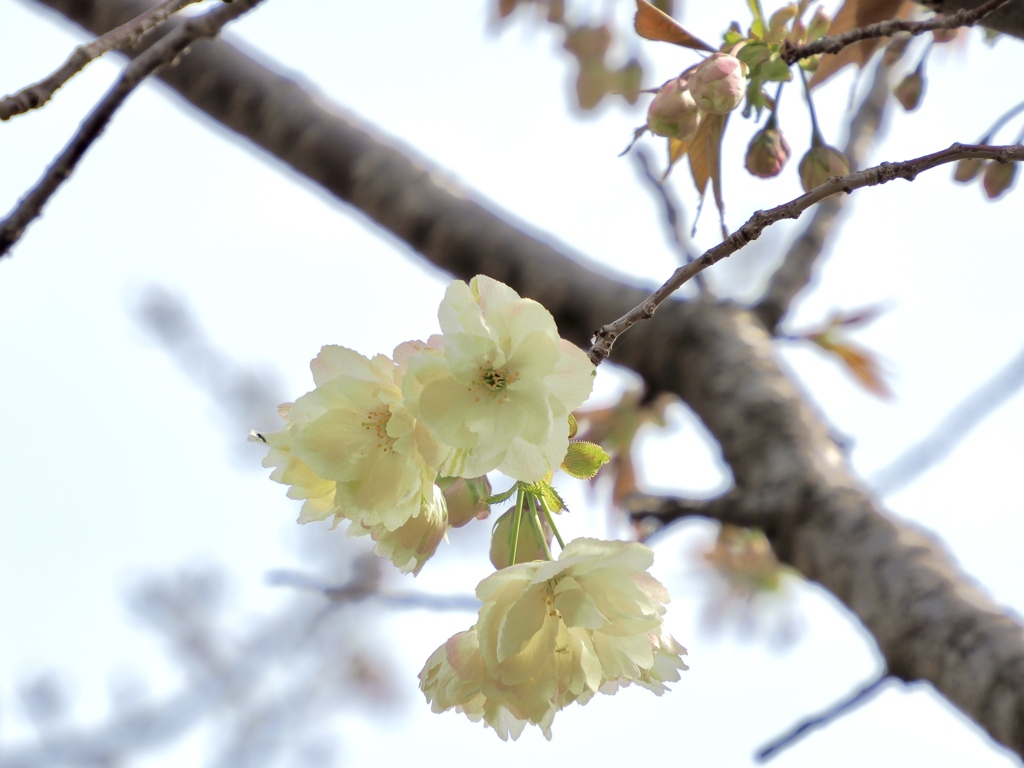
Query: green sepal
(583, 459)
(547, 495)
(500, 497)
(574, 427)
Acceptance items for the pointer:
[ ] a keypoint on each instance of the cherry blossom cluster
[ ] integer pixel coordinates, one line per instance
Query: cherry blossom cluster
(376, 440)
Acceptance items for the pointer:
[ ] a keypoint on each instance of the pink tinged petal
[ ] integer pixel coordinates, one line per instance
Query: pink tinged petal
(335, 361)
(651, 587)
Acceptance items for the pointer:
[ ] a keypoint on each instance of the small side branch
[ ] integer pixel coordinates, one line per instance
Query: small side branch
(125, 36)
(835, 43)
(797, 267)
(728, 509)
(671, 212)
(953, 428)
(606, 336)
(855, 700)
(167, 50)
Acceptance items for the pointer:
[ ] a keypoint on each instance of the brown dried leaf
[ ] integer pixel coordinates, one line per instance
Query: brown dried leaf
(862, 363)
(676, 152)
(705, 154)
(853, 15)
(653, 24)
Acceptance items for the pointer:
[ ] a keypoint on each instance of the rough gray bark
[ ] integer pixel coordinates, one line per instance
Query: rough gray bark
(1009, 19)
(929, 620)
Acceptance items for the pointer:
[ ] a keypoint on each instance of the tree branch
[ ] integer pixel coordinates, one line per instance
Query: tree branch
(125, 36)
(953, 428)
(835, 43)
(606, 335)
(671, 212)
(930, 621)
(30, 207)
(1009, 19)
(856, 699)
(797, 267)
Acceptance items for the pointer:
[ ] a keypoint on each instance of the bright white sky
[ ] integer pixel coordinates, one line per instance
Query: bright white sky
(116, 464)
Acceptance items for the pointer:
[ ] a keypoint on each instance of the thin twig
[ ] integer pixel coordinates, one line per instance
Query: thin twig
(855, 700)
(968, 414)
(671, 218)
(167, 50)
(125, 36)
(605, 337)
(797, 267)
(835, 43)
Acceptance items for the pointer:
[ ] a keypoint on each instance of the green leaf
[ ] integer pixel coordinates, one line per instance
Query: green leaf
(583, 460)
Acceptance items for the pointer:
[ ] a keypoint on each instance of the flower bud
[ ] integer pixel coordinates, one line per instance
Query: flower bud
(968, 169)
(673, 113)
(529, 548)
(821, 162)
(719, 84)
(767, 153)
(910, 90)
(465, 498)
(998, 178)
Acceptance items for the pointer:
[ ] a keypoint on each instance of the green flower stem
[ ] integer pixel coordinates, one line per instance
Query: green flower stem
(517, 521)
(551, 521)
(816, 138)
(535, 519)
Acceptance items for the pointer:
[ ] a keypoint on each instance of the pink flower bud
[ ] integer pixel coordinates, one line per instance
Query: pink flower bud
(719, 84)
(998, 178)
(821, 162)
(673, 113)
(767, 153)
(910, 90)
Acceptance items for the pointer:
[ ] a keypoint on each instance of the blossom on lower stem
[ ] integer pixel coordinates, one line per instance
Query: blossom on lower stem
(352, 450)
(553, 633)
(499, 384)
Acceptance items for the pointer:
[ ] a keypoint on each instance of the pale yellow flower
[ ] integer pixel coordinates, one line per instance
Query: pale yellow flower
(553, 633)
(497, 387)
(351, 450)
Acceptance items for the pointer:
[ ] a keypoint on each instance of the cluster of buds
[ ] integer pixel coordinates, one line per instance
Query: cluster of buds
(716, 86)
(996, 178)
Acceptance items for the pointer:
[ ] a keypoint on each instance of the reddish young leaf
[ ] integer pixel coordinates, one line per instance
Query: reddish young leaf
(653, 24)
